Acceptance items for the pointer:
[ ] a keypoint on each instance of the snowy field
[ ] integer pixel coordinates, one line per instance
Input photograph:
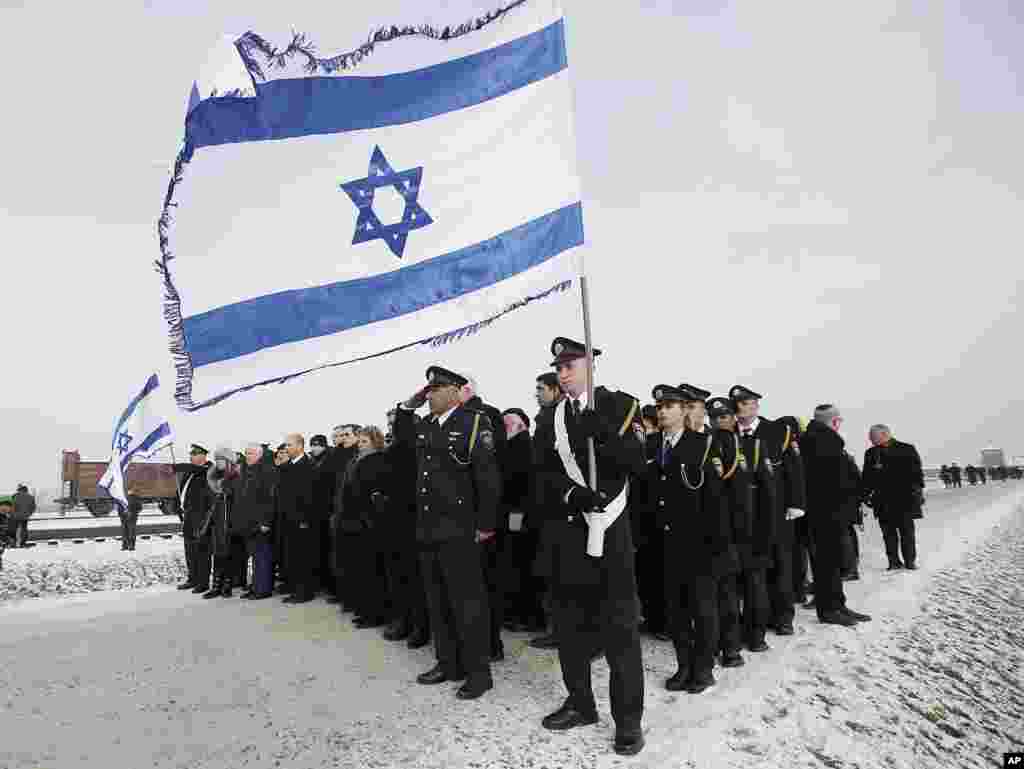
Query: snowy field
(154, 677)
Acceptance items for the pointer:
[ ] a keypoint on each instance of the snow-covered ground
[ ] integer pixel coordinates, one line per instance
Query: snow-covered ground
(156, 677)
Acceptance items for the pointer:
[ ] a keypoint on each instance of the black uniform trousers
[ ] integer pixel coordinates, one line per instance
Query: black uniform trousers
(851, 550)
(491, 569)
(730, 629)
(409, 600)
(303, 556)
(198, 557)
(650, 582)
(780, 576)
(828, 563)
(129, 525)
(900, 538)
(580, 637)
(757, 608)
(691, 606)
(457, 601)
(803, 558)
(524, 591)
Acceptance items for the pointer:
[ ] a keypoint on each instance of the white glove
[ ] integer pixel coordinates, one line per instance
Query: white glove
(792, 513)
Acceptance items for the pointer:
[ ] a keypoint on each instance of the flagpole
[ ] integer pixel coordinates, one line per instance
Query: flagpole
(588, 341)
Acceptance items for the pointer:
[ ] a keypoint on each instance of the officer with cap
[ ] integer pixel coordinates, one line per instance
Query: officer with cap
(458, 493)
(587, 549)
(777, 499)
(195, 500)
(730, 586)
(688, 505)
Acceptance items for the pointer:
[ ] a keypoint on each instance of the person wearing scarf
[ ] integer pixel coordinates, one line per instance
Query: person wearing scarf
(223, 478)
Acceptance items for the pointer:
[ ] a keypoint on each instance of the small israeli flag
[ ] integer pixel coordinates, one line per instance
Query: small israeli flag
(409, 191)
(139, 434)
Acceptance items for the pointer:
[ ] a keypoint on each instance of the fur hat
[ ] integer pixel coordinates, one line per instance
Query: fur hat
(227, 454)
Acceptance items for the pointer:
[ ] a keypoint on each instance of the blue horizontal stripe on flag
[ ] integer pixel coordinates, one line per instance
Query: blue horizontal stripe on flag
(151, 384)
(288, 108)
(163, 431)
(291, 316)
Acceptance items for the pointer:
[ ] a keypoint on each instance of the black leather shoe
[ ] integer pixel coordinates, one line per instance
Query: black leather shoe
(856, 615)
(297, 599)
(837, 618)
(677, 683)
(418, 639)
(259, 596)
(186, 585)
(248, 594)
(894, 566)
(544, 642)
(628, 744)
(567, 717)
(365, 622)
(435, 675)
(474, 687)
(699, 683)
(732, 660)
(213, 592)
(911, 566)
(200, 589)
(398, 630)
(784, 628)
(758, 645)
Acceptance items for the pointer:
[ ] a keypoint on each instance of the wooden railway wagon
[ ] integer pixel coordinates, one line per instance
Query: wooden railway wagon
(153, 482)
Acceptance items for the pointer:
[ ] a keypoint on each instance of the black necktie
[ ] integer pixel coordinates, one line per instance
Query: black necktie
(576, 407)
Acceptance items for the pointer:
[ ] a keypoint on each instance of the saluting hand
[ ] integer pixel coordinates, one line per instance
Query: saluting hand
(418, 398)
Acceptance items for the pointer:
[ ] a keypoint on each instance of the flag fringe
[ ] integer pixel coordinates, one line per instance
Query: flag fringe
(172, 299)
(251, 46)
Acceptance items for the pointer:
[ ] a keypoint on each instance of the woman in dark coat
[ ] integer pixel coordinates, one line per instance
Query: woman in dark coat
(361, 526)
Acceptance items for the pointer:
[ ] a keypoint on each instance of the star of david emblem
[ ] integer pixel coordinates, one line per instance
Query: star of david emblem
(405, 183)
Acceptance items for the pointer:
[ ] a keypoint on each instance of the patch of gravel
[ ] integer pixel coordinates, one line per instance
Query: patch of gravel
(37, 579)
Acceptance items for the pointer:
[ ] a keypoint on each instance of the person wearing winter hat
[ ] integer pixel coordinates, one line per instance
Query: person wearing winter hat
(227, 545)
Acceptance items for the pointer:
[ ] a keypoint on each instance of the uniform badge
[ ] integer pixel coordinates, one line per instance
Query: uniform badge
(487, 439)
(658, 394)
(559, 348)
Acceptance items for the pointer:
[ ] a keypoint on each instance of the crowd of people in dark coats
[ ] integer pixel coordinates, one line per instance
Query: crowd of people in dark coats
(471, 521)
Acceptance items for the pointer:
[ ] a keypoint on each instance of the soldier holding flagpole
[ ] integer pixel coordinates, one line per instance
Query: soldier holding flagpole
(587, 552)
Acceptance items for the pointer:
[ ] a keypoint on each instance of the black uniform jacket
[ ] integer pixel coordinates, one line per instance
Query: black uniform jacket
(198, 498)
(752, 492)
(783, 451)
(688, 505)
(563, 556)
(295, 492)
(893, 478)
(458, 491)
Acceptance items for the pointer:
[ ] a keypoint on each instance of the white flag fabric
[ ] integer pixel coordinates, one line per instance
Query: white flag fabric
(140, 433)
(408, 192)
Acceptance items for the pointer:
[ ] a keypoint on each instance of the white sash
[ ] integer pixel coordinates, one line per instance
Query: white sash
(598, 523)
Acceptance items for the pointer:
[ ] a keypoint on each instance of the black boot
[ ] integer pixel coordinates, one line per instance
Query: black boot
(419, 638)
(225, 587)
(215, 587)
(398, 630)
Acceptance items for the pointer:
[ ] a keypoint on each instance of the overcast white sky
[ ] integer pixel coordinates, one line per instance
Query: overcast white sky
(819, 200)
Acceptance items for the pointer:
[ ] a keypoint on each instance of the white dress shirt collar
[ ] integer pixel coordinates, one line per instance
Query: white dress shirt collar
(444, 417)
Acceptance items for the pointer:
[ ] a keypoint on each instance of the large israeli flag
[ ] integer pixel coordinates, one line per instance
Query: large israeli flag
(140, 433)
(407, 192)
